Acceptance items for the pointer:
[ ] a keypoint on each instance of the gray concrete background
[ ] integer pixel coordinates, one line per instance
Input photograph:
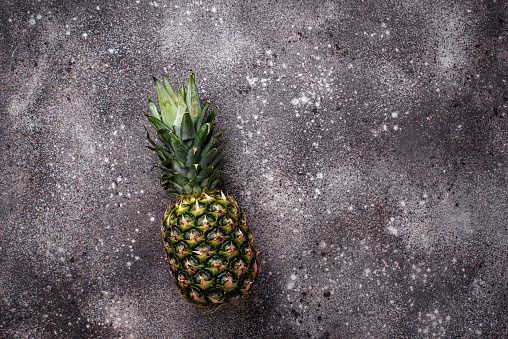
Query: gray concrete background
(367, 144)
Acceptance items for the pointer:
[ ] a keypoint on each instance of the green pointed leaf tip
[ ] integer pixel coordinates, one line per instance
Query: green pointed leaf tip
(172, 93)
(153, 108)
(156, 123)
(182, 108)
(192, 99)
(191, 159)
(181, 91)
(202, 115)
(211, 117)
(166, 103)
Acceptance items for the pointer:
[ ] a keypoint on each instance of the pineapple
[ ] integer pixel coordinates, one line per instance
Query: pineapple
(208, 244)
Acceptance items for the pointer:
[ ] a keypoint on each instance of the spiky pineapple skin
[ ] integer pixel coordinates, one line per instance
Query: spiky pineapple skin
(209, 248)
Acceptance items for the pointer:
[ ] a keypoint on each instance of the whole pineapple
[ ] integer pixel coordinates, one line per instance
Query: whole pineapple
(208, 244)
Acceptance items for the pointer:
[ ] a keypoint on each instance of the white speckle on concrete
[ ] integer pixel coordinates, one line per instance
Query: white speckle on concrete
(392, 230)
(251, 81)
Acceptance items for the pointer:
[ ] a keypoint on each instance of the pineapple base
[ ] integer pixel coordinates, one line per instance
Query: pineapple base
(210, 249)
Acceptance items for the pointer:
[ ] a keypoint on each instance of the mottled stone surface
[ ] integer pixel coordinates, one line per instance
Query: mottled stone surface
(367, 144)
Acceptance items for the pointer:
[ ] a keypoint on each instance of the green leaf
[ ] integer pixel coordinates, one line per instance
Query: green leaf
(166, 177)
(192, 156)
(204, 173)
(172, 93)
(180, 112)
(181, 92)
(202, 115)
(187, 189)
(212, 127)
(207, 159)
(205, 183)
(156, 148)
(179, 167)
(165, 136)
(178, 130)
(211, 143)
(178, 188)
(192, 99)
(216, 161)
(211, 117)
(148, 137)
(200, 138)
(209, 146)
(179, 147)
(165, 154)
(214, 184)
(166, 103)
(179, 179)
(162, 158)
(187, 128)
(217, 171)
(220, 146)
(193, 172)
(166, 180)
(168, 163)
(192, 183)
(196, 189)
(156, 123)
(153, 108)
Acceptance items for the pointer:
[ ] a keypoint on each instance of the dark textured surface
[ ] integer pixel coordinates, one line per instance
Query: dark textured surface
(367, 145)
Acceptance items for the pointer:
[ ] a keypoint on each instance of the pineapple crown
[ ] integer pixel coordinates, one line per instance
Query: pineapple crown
(190, 158)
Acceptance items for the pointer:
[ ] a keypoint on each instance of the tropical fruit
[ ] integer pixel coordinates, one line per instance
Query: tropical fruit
(208, 244)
